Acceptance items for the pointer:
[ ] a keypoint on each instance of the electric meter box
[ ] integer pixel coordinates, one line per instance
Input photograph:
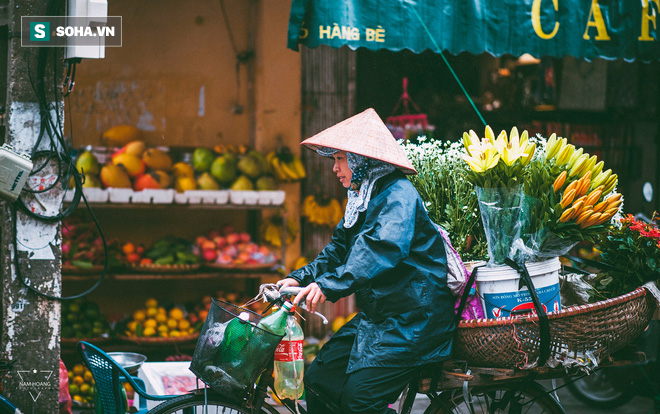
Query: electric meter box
(14, 171)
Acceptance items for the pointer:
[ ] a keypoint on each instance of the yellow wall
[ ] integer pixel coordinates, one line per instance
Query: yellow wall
(171, 51)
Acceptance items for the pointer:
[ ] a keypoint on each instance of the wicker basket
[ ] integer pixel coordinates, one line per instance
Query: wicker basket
(599, 328)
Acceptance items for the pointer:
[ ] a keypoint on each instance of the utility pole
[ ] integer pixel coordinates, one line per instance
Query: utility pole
(30, 335)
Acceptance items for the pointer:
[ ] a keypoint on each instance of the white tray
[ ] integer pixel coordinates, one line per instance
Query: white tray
(206, 196)
(120, 195)
(243, 197)
(271, 197)
(153, 196)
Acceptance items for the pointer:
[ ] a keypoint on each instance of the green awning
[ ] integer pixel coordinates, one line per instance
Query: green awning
(626, 29)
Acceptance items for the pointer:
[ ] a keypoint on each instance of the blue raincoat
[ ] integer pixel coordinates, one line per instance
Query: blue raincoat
(394, 260)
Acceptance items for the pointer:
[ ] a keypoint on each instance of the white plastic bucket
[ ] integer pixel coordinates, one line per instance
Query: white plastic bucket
(501, 292)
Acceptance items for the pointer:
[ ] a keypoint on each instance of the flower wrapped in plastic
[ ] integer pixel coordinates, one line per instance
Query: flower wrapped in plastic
(568, 199)
(497, 170)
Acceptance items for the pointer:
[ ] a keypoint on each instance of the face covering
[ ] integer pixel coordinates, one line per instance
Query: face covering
(366, 171)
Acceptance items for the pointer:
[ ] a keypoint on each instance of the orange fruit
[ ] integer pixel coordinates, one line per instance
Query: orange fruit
(184, 325)
(172, 323)
(151, 303)
(151, 312)
(78, 398)
(150, 323)
(85, 388)
(78, 369)
(132, 325)
(161, 318)
(139, 315)
(174, 334)
(176, 313)
(88, 376)
(149, 331)
(163, 328)
(128, 248)
(78, 380)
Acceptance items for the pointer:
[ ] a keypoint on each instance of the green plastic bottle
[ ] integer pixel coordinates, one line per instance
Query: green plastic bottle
(237, 334)
(261, 346)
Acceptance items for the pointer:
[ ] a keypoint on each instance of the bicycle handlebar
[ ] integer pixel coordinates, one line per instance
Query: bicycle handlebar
(273, 293)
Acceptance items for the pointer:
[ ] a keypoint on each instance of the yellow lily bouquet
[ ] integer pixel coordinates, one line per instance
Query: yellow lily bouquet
(568, 198)
(497, 170)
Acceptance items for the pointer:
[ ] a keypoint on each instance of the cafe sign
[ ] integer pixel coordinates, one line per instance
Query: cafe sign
(613, 29)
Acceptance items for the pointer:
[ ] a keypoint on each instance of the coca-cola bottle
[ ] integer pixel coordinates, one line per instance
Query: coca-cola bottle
(289, 366)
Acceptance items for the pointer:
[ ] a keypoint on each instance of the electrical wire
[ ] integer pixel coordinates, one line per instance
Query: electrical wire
(57, 152)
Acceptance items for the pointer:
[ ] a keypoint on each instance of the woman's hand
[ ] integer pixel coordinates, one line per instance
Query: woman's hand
(314, 296)
(287, 282)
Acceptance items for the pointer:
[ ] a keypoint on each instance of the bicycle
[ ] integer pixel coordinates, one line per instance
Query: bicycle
(454, 389)
(6, 406)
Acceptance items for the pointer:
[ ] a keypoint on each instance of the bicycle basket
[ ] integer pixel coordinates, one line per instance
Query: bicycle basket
(594, 330)
(232, 351)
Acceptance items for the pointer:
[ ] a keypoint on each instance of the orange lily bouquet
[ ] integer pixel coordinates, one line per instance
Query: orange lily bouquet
(569, 198)
(497, 170)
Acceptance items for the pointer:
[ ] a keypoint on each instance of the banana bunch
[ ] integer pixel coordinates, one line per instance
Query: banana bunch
(300, 262)
(325, 211)
(272, 230)
(285, 165)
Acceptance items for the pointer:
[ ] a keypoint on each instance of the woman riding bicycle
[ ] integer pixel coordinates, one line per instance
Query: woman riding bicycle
(387, 251)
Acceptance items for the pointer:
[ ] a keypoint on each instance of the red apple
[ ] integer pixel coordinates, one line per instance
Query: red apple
(251, 248)
(264, 250)
(220, 241)
(199, 240)
(233, 238)
(245, 237)
(209, 255)
(213, 234)
(227, 229)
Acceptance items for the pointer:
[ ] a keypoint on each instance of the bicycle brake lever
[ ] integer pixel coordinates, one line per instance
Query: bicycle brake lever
(303, 305)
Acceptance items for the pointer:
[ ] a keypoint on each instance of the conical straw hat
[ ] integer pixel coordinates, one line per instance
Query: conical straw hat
(364, 134)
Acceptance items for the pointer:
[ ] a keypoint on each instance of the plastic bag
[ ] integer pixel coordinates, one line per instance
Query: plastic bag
(537, 243)
(65, 397)
(500, 213)
(457, 277)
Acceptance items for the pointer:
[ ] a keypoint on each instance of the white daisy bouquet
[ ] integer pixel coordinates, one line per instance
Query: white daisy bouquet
(450, 198)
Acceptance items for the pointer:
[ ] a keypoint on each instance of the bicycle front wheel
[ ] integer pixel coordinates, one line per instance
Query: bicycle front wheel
(204, 404)
(530, 398)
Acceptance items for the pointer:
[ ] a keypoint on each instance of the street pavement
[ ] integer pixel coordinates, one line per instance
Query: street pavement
(637, 405)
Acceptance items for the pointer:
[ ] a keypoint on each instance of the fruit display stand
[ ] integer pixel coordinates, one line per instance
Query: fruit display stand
(125, 286)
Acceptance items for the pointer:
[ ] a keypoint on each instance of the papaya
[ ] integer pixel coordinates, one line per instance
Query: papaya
(133, 164)
(120, 135)
(115, 176)
(157, 159)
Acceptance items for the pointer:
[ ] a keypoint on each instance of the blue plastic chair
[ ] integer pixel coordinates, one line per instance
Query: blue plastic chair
(109, 377)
